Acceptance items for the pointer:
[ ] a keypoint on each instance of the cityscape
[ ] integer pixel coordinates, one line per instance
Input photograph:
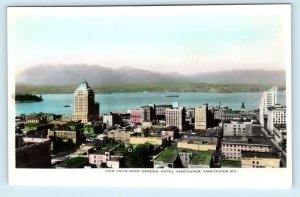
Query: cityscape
(155, 135)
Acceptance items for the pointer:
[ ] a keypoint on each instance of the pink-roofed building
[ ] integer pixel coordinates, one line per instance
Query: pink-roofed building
(137, 115)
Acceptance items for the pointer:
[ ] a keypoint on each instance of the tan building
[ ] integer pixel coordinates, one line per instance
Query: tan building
(65, 135)
(201, 117)
(85, 108)
(143, 140)
(120, 136)
(259, 160)
(198, 143)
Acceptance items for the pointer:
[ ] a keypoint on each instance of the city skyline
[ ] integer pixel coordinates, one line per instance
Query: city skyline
(199, 39)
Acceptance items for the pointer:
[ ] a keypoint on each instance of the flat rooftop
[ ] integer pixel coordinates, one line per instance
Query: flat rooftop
(168, 155)
(245, 140)
(251, 154)
(201, 157)
(231, 163)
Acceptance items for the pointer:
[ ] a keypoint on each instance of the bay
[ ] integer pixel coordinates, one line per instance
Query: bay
(121, 102)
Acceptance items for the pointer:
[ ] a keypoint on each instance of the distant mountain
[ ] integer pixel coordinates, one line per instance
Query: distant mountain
(98, 75)
(264, 77)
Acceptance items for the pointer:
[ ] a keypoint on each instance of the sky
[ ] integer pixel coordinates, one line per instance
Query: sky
(183, 39)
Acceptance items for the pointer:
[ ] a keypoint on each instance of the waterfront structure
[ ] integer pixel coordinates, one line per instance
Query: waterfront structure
(175, 117)
(233, 146)
(260, 160)
(137, 115)
(85, 107)
(276, 115)
(237, 128)
(35, 154)
(268, 99)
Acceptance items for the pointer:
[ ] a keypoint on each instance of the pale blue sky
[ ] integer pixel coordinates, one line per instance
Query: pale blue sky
(183, 39)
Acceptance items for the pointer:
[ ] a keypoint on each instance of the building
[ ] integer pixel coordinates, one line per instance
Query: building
(33, 119)
(99, 157)
(232, 146)
(279, 132)
(276, 115)
(160, 111)
(203, 117)
(231, 115)
(107, 158)
(237, 128)
(201, 159)
(65, 135)
(260, 160)
(137, 115)
(198, 143)
(268, 99)
(34, 155)
(148, 113)
(111, 119)
(143, 140)
(85, 108)
(175, 117)
(168, 158)
(120, 136)
(170, 133)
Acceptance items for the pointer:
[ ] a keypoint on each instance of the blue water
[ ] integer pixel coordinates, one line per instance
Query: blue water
(121, 102)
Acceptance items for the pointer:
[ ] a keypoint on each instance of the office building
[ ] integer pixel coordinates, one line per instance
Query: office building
(276, 115)
(268, 98)
(175, 117)
(85, 108)
(237, 128)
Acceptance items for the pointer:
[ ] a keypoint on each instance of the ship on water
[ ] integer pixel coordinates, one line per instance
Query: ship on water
(172, 95)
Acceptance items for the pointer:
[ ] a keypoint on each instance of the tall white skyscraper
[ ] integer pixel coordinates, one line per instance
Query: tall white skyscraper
(268, 98)
(85, 108)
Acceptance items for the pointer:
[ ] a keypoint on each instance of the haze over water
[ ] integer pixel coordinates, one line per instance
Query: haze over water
(121, 102)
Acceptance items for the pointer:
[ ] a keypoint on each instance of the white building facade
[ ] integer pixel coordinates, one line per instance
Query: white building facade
(268, 98)
(276, 115)
(175, 117)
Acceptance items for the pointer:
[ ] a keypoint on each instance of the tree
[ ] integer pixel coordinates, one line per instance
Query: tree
(140, 156)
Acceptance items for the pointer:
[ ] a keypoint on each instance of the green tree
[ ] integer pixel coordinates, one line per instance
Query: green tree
(140, 157)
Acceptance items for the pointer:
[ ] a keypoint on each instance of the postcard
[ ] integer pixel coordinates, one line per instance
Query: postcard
(194, 96)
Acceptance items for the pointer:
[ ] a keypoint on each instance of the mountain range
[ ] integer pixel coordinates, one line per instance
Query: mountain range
(96, 75)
